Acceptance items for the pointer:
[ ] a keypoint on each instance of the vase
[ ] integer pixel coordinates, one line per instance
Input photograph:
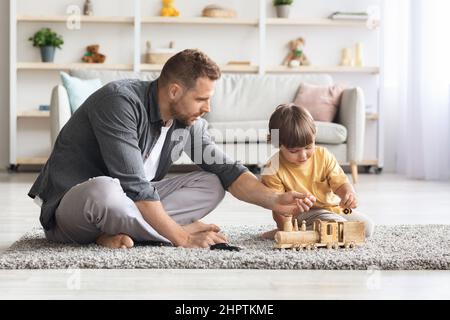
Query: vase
(283, 11)
(47, 53)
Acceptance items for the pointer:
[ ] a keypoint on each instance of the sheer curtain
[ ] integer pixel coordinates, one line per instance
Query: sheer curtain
(417, 85)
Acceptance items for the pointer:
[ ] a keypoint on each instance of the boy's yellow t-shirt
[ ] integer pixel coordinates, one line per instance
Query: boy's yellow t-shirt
(320, 176)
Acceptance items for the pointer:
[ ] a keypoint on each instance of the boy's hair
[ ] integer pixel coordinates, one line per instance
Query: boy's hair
(295, 124)
(186, 67)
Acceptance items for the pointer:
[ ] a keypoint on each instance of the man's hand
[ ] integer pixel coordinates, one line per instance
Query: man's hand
(293, 203)
(248, 188)
(204, 239)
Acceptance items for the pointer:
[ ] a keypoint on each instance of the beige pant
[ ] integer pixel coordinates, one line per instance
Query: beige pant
(100, 205)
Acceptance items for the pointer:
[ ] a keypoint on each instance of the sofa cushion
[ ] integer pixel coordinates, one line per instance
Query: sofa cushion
(256, 131)
(79, 90)
(106, 76)
(321, 101)
(330, 133)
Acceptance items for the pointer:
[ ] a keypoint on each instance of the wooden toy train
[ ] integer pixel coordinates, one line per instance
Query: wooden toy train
(329, 234)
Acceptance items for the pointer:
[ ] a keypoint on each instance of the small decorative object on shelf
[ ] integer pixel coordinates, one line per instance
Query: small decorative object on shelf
(159, 55)
(296, 56)
(238, 63)
(216, 11)
(92, 55)
(283, 7)
(47, 41)
(168, 10)
(358, 55)
(338, 15)
(88, 9)
(346, 60)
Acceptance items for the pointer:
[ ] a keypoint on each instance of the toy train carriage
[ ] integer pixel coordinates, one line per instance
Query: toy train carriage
(329, 234)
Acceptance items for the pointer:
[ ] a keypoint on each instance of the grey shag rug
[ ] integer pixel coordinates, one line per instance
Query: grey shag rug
(399, 247)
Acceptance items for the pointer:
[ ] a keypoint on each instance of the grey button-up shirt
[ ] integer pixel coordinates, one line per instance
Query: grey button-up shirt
(112, 134)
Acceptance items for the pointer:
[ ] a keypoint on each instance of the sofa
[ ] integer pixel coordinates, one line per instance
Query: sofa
(240, 109)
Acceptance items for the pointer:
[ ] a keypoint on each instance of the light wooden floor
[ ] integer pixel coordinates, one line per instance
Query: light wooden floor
(389, 199)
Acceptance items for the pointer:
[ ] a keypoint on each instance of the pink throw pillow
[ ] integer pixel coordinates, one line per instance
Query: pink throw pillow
(321, 101)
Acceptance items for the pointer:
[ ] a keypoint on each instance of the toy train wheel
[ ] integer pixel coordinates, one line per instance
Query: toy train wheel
(335, 246)
(315, 246)
(329, 245)
(347, 245)
(347, 211)
(308, 247)
(352, 244)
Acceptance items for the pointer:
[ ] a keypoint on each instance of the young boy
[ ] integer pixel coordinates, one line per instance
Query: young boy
(304, 167)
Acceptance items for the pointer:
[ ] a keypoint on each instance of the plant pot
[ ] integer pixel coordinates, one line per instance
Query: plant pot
(283, 11)
(47, 53)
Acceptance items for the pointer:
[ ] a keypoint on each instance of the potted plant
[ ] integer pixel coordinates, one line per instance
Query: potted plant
(283, 7)
(47, 41)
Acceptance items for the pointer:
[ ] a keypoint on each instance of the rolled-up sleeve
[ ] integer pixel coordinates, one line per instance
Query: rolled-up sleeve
(209, 157)
(114, 121)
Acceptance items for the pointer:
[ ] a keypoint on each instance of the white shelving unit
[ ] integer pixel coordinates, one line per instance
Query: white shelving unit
(138, 21)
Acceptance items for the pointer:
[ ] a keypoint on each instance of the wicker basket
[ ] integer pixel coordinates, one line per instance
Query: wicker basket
(158, 55)
(214, 11)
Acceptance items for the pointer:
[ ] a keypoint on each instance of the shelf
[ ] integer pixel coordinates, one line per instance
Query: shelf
(86, 19)
(199, 20)
(315, 69)
(68, 66)
(224, 68)
(33, 114)
(320, 23)
(31, 161)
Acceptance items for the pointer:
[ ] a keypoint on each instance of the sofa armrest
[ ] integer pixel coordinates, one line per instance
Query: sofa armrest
(352, 116)
(59, 111)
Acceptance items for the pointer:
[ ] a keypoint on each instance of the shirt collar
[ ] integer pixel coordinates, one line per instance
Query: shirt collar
(155, 115)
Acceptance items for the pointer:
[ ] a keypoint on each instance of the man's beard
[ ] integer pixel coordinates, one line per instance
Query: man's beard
(185, 120)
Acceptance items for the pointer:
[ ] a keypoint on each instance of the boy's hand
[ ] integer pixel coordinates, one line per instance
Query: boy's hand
(349, 200)
(293, 203)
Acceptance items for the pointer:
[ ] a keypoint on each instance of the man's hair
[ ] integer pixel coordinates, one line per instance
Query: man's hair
(186, 67)
(295, 124)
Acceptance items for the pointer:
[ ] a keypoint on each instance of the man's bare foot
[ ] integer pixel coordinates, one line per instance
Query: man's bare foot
(198, 226)
(269, 235)
(118, 241)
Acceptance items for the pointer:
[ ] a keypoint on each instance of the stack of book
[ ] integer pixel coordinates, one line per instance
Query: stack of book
(338, 15)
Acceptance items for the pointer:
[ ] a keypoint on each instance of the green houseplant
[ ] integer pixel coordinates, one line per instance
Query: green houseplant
(47, 41)
(283, 7)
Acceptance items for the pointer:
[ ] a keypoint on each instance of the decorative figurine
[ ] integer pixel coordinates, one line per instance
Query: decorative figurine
(296, 56)
(168, 10)
(88, 8)
(92, 55)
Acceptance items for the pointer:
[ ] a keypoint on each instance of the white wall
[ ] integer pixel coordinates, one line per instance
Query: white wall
(4, 84)
(222, 43)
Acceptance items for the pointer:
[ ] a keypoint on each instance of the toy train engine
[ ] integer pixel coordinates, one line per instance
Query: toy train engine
(329, 234)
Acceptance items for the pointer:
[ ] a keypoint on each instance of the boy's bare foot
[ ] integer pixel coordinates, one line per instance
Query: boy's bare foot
(198, 226)
(118, 241)
(269, 235)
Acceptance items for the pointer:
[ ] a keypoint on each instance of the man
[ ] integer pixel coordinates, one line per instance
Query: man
(103, 180)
